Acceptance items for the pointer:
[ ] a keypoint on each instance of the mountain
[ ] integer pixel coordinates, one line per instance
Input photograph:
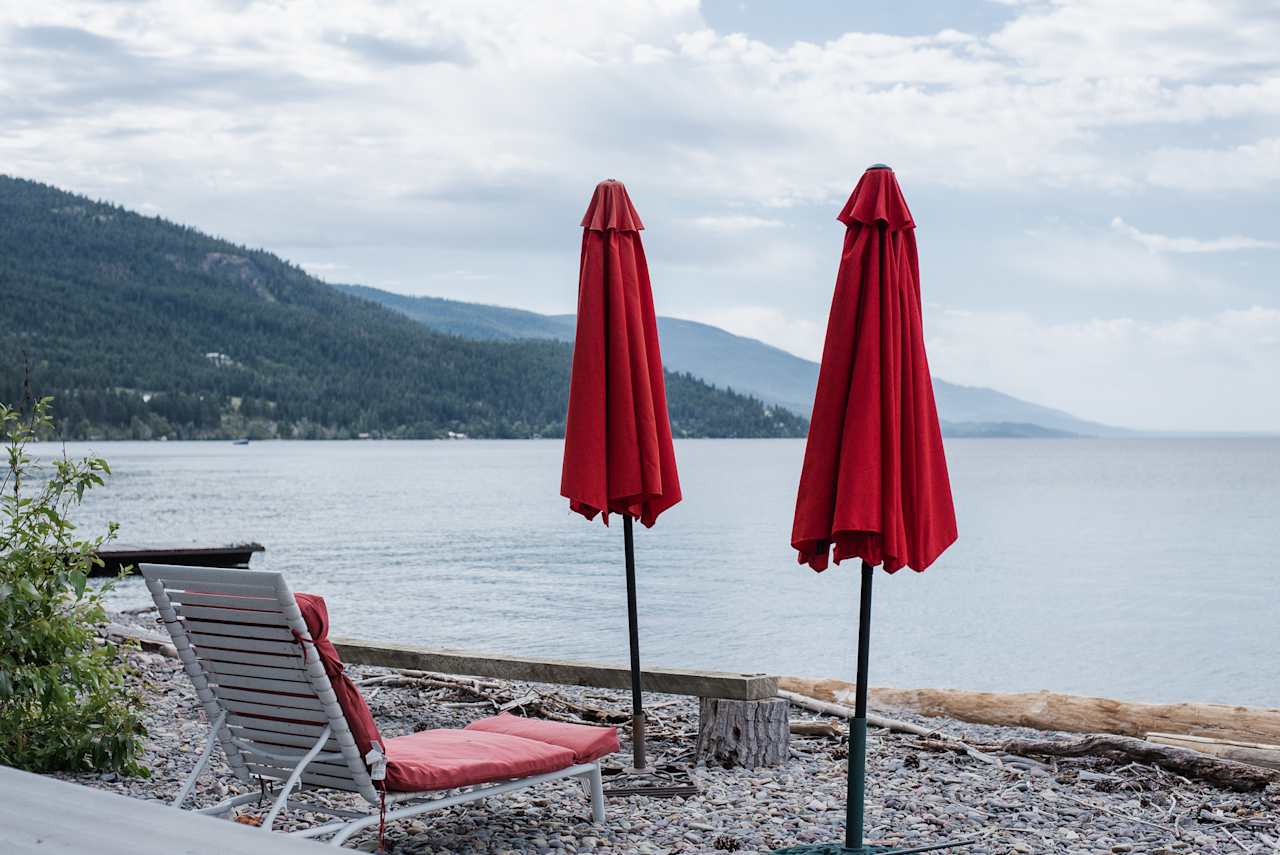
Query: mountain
(144, 328)
(744, 365)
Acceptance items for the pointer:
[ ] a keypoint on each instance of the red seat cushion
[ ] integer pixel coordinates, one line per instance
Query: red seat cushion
(443, 759)
(586, 742)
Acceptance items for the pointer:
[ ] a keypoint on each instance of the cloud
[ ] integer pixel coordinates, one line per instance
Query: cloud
(734, 223)
(1250, 167)
(1097, 260)
(1211, 372)
(392, 51)
(802, 337)
(1165, 243)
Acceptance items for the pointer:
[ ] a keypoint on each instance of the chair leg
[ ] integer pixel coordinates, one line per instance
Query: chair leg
(596, 780)
(293, 779)
(190, 783)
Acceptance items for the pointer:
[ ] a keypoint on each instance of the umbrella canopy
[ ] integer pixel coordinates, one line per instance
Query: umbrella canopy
(618, 455)
(874, 481)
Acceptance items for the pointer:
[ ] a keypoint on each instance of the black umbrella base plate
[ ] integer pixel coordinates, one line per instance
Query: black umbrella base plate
(660, 782)
(869, 849)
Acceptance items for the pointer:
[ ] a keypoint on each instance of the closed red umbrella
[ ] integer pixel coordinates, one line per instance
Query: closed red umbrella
(874, 484)
(618, 455)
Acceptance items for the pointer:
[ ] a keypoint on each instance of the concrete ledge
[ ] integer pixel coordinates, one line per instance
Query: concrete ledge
(43, 815)
(702, 684)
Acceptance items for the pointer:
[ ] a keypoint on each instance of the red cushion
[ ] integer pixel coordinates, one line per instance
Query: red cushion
(364, 730)
(586, 742)
(444, 759)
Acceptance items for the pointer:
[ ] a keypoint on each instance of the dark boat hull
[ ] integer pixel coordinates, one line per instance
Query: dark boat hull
(116, 556)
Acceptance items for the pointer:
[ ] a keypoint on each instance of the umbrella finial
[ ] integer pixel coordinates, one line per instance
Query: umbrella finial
(879, 166)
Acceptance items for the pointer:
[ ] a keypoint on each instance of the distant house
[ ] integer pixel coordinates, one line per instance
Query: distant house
(220, 359)
(455, 435)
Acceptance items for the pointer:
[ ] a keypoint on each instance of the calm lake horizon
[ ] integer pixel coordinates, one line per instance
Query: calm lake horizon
(1142, 569)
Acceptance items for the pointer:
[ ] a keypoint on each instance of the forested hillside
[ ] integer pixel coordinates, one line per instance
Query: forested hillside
(142, 328)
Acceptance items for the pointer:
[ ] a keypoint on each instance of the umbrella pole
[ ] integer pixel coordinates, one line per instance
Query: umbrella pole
(639, 762)
(856, 806)
(856, 798)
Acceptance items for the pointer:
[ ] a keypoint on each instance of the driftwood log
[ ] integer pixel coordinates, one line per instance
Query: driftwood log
(1253, 753)
(826, 729)
(1053, 711)
(891, 724)
(743, 733)
(151, 642)
(1227, 774)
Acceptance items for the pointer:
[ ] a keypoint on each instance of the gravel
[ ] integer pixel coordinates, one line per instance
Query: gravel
(915, 795)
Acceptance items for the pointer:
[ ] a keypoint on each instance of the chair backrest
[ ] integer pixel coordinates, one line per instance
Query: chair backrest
(243, 641)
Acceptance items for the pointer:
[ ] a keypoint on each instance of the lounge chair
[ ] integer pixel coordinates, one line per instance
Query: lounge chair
(288, 718)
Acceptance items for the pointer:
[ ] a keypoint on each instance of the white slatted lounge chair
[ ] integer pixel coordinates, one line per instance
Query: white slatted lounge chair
(241, 637)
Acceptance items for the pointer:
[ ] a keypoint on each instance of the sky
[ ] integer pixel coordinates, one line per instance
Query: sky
(1095, 183)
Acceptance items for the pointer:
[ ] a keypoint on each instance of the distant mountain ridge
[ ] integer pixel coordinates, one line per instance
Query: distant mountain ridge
(745, 365)
(142, 328)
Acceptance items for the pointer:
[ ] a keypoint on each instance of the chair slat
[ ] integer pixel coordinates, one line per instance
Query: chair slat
(289, 674)
(221, 614)
(262, 684)
(292, 658)
(267, 738)
(168, 574)
(279, 773)
(275, 711)
(311, 703)
(239, 630)
(195, 598)
(248, 645)
(303, 730)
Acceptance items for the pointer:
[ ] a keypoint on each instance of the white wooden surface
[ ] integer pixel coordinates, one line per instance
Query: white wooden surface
(43, 816)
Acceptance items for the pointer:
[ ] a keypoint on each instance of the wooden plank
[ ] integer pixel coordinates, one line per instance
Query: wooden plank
(39, 814)
(1054, 711)
(703, 684)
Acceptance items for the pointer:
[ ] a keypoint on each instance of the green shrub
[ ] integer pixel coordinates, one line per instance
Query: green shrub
(65, 704)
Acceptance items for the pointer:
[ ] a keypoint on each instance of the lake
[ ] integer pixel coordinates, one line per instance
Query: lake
(1138, 569)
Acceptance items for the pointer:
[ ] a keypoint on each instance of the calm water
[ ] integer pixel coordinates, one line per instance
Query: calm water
(1142, 569)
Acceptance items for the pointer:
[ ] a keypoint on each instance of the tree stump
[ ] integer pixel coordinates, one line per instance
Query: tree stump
(743, 733)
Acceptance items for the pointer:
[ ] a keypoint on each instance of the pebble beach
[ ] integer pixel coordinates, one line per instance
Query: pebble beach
(917, 794)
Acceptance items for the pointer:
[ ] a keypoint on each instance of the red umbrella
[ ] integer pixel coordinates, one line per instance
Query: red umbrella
(618, 455)
(874, 483)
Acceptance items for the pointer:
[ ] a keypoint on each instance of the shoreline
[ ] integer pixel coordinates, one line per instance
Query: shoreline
(917, 792)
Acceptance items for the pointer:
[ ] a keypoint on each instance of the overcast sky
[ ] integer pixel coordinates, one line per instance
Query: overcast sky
(1095, 182)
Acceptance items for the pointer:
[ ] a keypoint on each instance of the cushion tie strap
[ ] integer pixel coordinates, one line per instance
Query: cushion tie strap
(377, 762)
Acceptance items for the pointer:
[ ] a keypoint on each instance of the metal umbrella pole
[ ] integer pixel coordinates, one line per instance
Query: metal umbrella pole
(641, 779)
(639, 762)
(856, 797)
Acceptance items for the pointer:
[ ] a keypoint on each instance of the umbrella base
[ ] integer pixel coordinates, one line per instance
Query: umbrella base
(665, 782)
(841, 849)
